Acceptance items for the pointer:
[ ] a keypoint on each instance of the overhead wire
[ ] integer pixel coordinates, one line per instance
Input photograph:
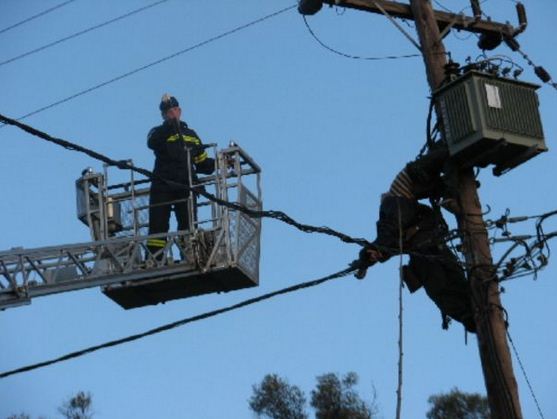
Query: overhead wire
(485, 307)
(179, 323)
(355, 57)
(400, 314)
(272, 214)
(205, 315)
(156, 62)
(82, 32)
(536, 253)
(523, 369)
(124, 164)
(541, 242)
(540, 71)
(398, 26)
(466, 37)
(29, 19)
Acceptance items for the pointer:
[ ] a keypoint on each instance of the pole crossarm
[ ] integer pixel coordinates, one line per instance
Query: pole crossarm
(444, 19)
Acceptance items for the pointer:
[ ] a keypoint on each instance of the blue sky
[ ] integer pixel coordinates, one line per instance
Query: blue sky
(329, 133)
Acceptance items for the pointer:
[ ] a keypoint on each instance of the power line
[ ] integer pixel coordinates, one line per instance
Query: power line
(355, 57)
(82, 32)
(539, 246)
(47, 11)
(277, 215)
(541, 72)
(182, 322)
(159, 61)
(400, 315)
(525, 375)
(273, 214)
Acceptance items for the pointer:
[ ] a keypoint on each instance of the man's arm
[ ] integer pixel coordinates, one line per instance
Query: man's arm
(203, 163)
(154, 139)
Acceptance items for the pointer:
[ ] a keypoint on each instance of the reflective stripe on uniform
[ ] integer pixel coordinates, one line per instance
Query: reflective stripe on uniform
(156, 243)
(190, 139)
(172, 138)
(185, 138)
(201, 158)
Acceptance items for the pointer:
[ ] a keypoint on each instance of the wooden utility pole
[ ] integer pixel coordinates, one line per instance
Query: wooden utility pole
(502, 389)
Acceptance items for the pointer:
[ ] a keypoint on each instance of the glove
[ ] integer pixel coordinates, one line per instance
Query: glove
(368, 256)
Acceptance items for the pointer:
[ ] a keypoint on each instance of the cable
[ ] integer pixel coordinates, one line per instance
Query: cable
(355, 57)
(446, 9)
(541, 72)
(467, 37)
(530, 250)
(159, 61)
(278, 215)
(182, 322)
(82, 32)
(536, 252)
(400, 312)
(398, 26)
(15, 25)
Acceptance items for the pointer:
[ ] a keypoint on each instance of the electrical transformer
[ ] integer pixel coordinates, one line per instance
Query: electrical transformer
(489, 119)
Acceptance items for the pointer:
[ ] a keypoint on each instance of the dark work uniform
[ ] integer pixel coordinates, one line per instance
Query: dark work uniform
(432, 264)
(171, 144)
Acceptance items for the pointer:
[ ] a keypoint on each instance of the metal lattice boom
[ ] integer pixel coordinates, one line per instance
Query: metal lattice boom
(220, 253)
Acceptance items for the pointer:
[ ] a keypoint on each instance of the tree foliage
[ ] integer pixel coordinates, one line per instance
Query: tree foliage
(458, 405)
(79, 406)
(335, 398)
(275, 398)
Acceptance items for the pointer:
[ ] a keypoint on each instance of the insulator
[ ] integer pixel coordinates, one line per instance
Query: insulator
(542, 74)
(476, 9)
(517, 73)
(501, 222)
(512, 43)
(309, 7)
(452, 68)
(494, 69)
(521, 11)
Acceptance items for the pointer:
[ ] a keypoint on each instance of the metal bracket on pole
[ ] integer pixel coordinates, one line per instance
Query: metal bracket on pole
(450, 25)
(399, 27)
